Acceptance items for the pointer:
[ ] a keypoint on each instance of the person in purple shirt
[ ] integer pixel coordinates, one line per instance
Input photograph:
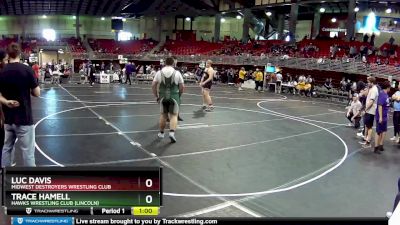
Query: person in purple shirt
(128, 72)
(381, 116)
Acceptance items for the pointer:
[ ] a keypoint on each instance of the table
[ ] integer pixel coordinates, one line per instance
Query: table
(272, 84)
(106, 78)
(289, 87)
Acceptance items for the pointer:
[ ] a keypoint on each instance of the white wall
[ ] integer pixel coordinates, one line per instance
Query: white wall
(65, 26)
(167, 26)
(303, 28)
(94, 27)
(233, 28)
(205, 27)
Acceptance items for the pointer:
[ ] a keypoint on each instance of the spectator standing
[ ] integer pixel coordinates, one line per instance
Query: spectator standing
(17, 81)
(396, 115)
(334, 50)
(259, 79)
(343, 84)
(350, 89)
(365, 38)
(279, 79)
(242, 75)
(391, 40)
(353, 51)
(370, 111)
(198, 73)
(362, 90)
(103, 66)
(372, 41)
(231, 76)
(381, 116)
(128, 72)
(91, 75)
(36, 69)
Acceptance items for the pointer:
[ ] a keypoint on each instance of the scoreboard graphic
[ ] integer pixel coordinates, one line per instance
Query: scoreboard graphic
(82, 191)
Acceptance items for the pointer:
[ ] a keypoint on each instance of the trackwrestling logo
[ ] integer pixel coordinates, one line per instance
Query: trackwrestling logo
(20, 220)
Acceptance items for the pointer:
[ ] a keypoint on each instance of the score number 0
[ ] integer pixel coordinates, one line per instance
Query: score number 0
(149, 184)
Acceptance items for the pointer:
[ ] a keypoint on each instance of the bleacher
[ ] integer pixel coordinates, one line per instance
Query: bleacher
(254, 48)
(191, 48)
(6, 41)
(109, 46)
(75, 45)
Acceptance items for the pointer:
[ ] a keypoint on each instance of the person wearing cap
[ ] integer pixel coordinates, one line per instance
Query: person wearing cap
(381, 116)
(354, 112)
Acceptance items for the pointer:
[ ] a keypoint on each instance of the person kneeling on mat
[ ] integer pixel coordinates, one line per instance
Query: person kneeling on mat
(354, 112)
(167, 88)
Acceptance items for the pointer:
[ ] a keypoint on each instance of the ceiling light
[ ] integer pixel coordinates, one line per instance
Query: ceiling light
(269, 13)
(333, 20)
(389, 10)
(102, 18)
(44, 16)
(73, 17)
(356, 9)
(188, 19)
(124, 19)
(322, 10)
(223, 20)
(395, 22)
(238, 17)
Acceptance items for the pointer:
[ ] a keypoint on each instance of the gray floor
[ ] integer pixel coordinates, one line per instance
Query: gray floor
(270, 156)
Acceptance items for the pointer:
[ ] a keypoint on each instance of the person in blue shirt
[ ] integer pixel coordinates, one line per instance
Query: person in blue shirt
(396, 115)
(381, 116)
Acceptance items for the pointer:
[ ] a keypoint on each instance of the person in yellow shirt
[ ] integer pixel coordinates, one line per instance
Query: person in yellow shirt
(242, 75)
(259, 79)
